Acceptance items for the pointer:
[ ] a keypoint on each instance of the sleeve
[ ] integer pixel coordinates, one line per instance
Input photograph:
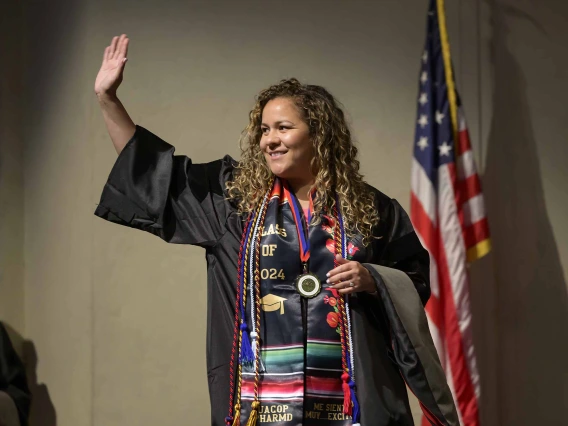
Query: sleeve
(403, 288)
(13, 382)
(397, 246)
(151, 189)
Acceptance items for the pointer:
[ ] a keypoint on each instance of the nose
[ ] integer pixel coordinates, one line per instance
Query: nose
(272, 139)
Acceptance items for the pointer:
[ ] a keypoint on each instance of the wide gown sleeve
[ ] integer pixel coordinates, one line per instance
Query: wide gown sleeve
(151, 189)
(401, 272)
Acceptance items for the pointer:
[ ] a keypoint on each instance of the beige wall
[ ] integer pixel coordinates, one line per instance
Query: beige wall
(117, 316)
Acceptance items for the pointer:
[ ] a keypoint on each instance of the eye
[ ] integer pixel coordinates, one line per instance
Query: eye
(283, 127)
(264, 130)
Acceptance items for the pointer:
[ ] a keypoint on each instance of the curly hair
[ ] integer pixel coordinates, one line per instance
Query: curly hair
(334, 164)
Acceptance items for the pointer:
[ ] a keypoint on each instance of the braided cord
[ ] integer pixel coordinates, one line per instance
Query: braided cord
(257, 295)
(354, 408)
(347, 299)
(237, 333)
(251, 265)
(242, 320)
(342, 320)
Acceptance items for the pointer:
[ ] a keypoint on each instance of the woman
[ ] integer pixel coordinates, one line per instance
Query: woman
(317, 279)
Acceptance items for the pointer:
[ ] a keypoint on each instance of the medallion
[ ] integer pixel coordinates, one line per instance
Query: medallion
(308, 285)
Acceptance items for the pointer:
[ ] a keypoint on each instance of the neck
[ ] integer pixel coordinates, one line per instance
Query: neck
(302, 190)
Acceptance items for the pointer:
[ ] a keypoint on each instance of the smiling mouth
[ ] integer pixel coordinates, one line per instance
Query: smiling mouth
(276, 154)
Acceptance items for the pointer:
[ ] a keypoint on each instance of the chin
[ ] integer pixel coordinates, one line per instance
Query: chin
(279, 172)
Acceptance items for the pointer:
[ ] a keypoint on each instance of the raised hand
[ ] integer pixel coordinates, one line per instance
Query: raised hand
(111, 72)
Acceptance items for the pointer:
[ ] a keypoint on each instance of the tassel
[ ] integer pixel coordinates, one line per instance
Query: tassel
(247, 356)
(237, 421)
(346, 394)
(253, 414)
(354, 401)
(253, 336)
(254, 341)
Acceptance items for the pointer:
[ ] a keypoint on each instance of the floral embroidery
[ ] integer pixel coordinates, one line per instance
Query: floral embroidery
(351, 250)
(333, 319)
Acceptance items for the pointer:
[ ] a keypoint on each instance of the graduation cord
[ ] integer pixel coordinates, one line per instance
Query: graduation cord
(237, 333)
(254, 335)
(342, 321)
(241, 342)
(255, 406)
(350, 359)
(244, 342)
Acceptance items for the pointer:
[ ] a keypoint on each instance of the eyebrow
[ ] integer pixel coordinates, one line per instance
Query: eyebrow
(278, 123)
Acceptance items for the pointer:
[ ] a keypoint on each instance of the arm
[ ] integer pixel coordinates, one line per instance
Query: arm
(120, 126)
(399, 273)
(396, 246)
(151, 189)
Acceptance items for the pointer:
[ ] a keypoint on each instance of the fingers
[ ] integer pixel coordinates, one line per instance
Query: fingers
(340, 269)
(112, 46)
(125, 47)
(342, 278)
(118, 48)
(121, 47)
(347, 290)
(345, 287)
(106, 55)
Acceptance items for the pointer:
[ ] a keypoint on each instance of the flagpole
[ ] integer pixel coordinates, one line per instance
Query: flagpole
(448, 68)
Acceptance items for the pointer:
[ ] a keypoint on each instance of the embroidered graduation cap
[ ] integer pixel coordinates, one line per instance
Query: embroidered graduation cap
(271, 302)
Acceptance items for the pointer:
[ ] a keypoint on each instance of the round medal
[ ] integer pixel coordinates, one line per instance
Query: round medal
(308, 285)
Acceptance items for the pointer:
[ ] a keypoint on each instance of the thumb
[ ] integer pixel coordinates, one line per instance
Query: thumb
(341, 260)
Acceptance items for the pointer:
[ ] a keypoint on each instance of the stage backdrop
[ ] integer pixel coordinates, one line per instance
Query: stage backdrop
(115, 318)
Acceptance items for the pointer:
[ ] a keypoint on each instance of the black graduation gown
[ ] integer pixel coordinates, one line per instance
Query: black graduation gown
(151, 189)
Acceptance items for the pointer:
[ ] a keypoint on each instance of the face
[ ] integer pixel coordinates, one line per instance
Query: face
(285, 141)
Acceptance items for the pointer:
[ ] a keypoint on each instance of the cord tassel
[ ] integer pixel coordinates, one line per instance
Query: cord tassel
(247, 355)
(346, 394)
(253, 414)
(237, 420)
(355, 414)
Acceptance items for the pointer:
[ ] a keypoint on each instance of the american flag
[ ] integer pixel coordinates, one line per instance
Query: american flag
(448, 214)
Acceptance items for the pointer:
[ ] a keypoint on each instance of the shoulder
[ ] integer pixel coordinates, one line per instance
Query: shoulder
(384, 204)
(393, 218)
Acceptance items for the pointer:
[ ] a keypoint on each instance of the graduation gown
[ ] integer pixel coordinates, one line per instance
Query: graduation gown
(151, 189)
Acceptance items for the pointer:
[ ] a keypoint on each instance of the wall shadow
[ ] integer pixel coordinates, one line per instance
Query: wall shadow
(522, 279)
(42, 410)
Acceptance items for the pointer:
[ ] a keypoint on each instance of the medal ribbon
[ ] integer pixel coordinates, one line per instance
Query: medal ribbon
(303, 236)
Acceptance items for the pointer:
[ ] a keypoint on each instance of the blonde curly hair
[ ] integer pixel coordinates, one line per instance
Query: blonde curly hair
(334, 165)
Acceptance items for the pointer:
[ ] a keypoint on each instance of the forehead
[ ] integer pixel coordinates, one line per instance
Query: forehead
(281, 109)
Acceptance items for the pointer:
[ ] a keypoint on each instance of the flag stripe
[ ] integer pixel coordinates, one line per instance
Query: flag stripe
(466, 166)
(473, 210)
(476, 232)
(423, 190)
(469, 189)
